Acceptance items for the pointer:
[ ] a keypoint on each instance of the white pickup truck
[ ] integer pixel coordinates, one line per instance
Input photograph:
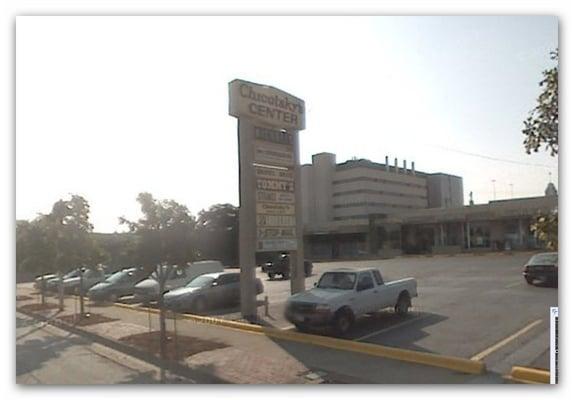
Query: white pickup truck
(341, 295)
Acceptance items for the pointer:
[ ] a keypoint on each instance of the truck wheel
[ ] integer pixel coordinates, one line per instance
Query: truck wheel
(271, 276)
(342, 322)
(529, 280)
(403, 304)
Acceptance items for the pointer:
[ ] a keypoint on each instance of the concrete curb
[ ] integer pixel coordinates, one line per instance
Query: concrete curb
(529, 375)
(448, 362)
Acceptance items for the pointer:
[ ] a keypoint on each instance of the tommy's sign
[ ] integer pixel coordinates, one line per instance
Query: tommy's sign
(266, 104)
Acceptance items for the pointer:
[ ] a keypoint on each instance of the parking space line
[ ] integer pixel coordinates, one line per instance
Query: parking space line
(496, 346)
(390, 328)
(513, 285)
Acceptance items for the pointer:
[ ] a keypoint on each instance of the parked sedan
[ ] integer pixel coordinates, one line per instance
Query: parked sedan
(117, 285)
(207, 291)
(543, 266)
(43, 279)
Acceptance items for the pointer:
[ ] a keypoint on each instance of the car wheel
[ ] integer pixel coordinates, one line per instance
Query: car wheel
(200, 305)
(113, 297)
(271, 276)
(302, 328)
(342, 322)
(529, 280)
(403, 304)
(285, 275)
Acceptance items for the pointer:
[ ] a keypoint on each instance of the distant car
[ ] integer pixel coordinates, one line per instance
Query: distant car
(206, 292)
(119, 284)
(90, 277)
(148, 289)
(543, 267)
(43, 278)
(281, 265)
(53, 283)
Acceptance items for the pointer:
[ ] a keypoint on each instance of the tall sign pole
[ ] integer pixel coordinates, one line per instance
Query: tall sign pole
(270, 216)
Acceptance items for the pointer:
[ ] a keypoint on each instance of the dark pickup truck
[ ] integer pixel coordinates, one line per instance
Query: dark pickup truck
(281, 266)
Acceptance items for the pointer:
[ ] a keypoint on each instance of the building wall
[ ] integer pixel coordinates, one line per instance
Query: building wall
(364, 189)
(317, 189)
(444, 191)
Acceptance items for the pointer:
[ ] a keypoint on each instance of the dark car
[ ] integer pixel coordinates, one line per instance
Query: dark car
(117, 285)
(207, 291)
(542, 267)
(281, 265)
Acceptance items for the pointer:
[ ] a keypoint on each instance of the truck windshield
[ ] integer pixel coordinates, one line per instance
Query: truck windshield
(337, 280)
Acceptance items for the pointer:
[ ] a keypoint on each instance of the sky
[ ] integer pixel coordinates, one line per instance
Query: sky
(108, 107)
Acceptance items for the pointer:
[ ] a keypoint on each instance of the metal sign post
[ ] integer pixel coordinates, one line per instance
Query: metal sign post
(270, 216)
(247, 221)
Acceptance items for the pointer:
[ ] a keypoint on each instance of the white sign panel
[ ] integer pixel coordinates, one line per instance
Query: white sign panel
(266, 104)
(275, 233)
(277, 245)
(275, 220)
(275, 197)
(276, 185)
(273, 173)
(275, 209)
(274, 154)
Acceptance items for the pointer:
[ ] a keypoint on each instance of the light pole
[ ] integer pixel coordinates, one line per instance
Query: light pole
(493, 189)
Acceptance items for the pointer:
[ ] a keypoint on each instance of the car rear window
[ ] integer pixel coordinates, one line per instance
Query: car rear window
(544, 259)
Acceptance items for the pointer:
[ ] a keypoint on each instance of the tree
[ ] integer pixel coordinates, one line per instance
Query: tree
(218, 233)
(164, 242)
(58, 241)
(541, 126)
(545, 228)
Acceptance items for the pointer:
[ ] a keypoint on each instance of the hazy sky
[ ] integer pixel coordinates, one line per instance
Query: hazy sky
(108, 107)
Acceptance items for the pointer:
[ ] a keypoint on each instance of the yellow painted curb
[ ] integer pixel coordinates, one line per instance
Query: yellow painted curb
(530, 375)
(200, 318)
(435, 360)
(418, 357)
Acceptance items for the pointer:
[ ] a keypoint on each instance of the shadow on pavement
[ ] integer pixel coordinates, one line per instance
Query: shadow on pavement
(31, 354)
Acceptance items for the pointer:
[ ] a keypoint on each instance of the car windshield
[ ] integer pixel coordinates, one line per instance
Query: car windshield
(118, 277)
(337, 280)
(72, 274)
(544, 259)
(200, 281)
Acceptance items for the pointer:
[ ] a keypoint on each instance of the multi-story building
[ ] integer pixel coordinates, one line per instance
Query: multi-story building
(357, 189)
(360, 207)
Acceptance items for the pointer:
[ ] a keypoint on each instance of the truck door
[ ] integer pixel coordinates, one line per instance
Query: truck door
(366, 298)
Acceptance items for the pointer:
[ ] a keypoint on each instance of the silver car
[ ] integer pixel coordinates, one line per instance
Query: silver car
(207, 291)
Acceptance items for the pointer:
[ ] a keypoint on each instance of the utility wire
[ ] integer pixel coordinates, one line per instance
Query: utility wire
(495, 158)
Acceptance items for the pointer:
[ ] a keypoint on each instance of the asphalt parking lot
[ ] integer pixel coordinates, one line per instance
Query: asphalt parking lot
(477, 307)
(468, 306)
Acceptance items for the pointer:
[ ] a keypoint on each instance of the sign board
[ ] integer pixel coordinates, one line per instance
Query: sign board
(275, 209)
(274, 197)
(266, 104)
(275, 185)
(274, 233)
(274, 154)
(275, 220)
(274, 173)
(276, 244)
(270, 193)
